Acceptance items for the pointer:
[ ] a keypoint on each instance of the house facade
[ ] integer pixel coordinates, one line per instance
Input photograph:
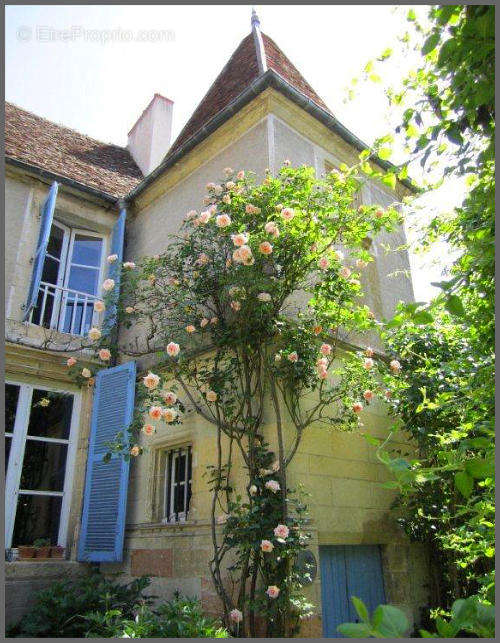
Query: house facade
(70, 202)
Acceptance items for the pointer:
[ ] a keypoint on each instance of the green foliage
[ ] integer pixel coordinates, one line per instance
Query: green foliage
(178, 618)
(61, 610)
(386, 621)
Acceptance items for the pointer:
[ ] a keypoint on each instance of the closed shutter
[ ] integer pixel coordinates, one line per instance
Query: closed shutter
(105, 497)
(117, 239)
(335, 607)
(47, 216)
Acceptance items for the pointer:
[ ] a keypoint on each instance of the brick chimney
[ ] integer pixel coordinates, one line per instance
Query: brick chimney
(149, 138)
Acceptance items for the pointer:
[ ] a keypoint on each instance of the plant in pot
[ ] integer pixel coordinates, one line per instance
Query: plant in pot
(57, 551)
(26, 552)
(42, 547)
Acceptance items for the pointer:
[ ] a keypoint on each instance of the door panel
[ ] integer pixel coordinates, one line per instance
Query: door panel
(346, 571)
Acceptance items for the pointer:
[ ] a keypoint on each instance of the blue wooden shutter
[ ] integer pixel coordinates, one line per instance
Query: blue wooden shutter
(105, 497)
(114, 270)
(41, 248)
(335, 608)
(364, 577)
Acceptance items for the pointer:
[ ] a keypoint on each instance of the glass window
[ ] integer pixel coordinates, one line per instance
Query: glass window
(44, 465)
(178, 473)
(50, 415)
(87, 250)
(36, 517)
(11, 398)
(83, 279)
(56, 240)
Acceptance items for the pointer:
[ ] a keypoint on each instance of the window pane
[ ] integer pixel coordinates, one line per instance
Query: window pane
(50, 270)
(83, 280)
(74, 325)
(36, 517)
(87, 250)
(55, 244)
(8, 442)
(50, 415)
(11, 397)
(43, 317)
(44, 465)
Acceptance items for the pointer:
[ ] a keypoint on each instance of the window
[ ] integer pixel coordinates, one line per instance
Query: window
(40, 445)
(178, 472)
(70, 280)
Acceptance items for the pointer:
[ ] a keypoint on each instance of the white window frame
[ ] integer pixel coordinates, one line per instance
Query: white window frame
(171, 484)
(16, 457)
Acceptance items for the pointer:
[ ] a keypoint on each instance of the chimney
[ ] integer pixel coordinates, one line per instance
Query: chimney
(149, 138)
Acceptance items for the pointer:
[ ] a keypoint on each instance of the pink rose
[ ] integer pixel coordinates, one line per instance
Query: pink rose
(387, 394)
(322, 362)
(190, 328)
(173, 349)
(94, 334)
(214, 320)
(151, 381)
(211, 396)
(265, 248)
(170, 397)
(71, 361)
(239, 239)
(169, 415)
(266, 546)
(264, 296)
(243, 255)
(357, 407)
(235, 305)
(204, 322)
(322, 373)
(325, 349)
(99, 306)
(148, 429)
(361, 264)
(203, 259)
(112, 258)
(108, 284)
(86, 373)
(379, 213)
(241, 175)
(273, 485)
(135, 451)
(252, 490)
(228, 171)
(368, 363)
(230, 185)
(395, 366)
(281, 531)
(129, 309)
(272, 591)
(369, 352)
(368, 395)
(345, 272)
(287, 214)
(293, 357)
(104, 354)
(235, 616)
(204, 217)
(129, 264)
(324, 263)
(155, 412)
(191, 214)
(222, 220)
(272, 229)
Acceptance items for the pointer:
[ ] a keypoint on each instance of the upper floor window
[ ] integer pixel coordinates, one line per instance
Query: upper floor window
(178, 473)
(71, 277)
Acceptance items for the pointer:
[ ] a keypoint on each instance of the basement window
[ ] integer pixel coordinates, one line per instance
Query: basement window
(178, 474)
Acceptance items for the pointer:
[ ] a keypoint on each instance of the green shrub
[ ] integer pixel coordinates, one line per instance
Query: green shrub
(60, 611)
(178, 618)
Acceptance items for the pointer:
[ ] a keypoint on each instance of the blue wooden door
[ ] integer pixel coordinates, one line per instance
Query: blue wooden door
(349, 570)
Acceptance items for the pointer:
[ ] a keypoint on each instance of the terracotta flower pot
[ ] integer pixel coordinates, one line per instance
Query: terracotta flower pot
(57, 552)
(26, 551)
(42, 552)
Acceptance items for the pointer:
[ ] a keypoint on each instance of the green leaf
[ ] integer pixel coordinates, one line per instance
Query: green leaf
(360, 608)
(480, 468)
(390, 180)
(431, 43)
(385, 153)
(423, 317)
(454, 306)
(393, 622)
(411, 15)
(354, 630)
(464, 483)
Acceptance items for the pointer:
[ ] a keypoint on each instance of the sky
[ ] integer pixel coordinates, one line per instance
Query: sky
(95, 68)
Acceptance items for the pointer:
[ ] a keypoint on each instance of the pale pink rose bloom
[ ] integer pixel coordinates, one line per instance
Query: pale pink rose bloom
(203, 259)
(368, 363)
(265, 248)
(357, 407)
(239, 239)
(322, 373)
(277, 357)
(322, 362)
(190, 328)
(369, 352)
(99, 306)
(281, 531)
(148, 429)
(371, 314)
(314, 247)
(204, 322)
(155, 412)
(395, 366)
(240, 175)
(135, 451)
(71, 361)
(264, 296)
(293, 357)
(272, 229)
(221, 519)
(223, 220)
(191, 214)
(210, 186)
(108, 284)
(235, 616)
(252, 490)
(266, 546)
(361, 264)
(211, 396)
(104, 354)
(275, 466)
(173, 349)
(230, 185)
(368, 395)
(204, 217)
(345, 272)
(214, 320)
(235, 305)
(388, 394)
(151, 381)
(226, 199)
(287, 214)
(323, 263)
(273, 485)
(129, 264)
(170, 397)
(169, 415)
(286, 162)
(112, 258)
(251, 209)
(94, 334)
(228, 263)
(218, 189)
(379, 213)
(325, 349)
(243, 254)
(272, 591)
(129, 309)
(228, 171)
(86, 372)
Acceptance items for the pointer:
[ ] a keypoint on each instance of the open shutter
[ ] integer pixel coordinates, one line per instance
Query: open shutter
(114, 269)
(105, 498)
(41, 248)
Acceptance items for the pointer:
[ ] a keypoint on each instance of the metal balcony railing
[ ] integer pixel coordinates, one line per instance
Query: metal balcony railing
(63, 309)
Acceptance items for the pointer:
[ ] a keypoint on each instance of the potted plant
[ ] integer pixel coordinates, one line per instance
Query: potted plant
(26, 552)
(57, 551)
(42, 547)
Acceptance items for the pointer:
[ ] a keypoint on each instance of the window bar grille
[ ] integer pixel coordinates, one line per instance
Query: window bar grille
(73, 315)
(168, 484)
(178, 488)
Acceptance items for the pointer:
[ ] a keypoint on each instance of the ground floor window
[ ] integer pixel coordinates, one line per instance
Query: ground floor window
(40, 430)
(178, 473)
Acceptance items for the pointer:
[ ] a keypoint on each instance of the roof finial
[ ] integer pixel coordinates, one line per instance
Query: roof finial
(255, 18)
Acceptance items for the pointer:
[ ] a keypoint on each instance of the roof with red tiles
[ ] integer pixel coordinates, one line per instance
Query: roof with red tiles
(62, 151)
